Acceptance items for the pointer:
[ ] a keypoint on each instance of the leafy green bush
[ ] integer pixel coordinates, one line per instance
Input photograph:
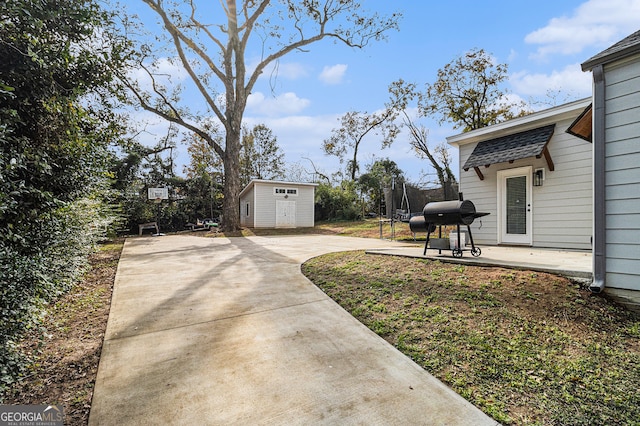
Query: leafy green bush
(337, 203)
(53, 157)
(48, 259)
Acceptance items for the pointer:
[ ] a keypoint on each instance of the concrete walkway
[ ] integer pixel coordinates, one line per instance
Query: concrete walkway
(217, 331)
(570, 263)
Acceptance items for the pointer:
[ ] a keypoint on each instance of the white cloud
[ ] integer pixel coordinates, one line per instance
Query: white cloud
(287, 70)
(570, 80)
(292, 70)
(166, 72)
(279, 70)
(303, 132)
(594, 23)
(286, 103)
(302, 136)
(333, 74)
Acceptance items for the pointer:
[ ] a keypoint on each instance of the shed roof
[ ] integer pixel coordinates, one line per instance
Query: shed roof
(275, 183)
(530, 143)
(625, 47)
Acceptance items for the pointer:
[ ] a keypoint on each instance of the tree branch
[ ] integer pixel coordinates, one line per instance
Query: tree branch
(179, 38)
(173, 118)
(315, 170)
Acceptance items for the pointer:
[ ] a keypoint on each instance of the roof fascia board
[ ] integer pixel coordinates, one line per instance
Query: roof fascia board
(273, 182)
(520, 124)
(612, 57)
(281, 182)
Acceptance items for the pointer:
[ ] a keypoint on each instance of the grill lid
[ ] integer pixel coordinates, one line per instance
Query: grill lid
(450, 212)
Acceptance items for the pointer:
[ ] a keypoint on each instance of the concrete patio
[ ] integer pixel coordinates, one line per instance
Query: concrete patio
(570, 263)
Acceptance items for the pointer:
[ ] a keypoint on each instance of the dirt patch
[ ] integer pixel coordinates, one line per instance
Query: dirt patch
(68, 352)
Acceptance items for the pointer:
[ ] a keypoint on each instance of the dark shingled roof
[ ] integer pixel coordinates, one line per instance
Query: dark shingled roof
(625, 47)
(529, 143)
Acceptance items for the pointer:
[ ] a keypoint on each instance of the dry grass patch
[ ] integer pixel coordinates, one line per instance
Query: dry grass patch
(525, 347)
(367, 228)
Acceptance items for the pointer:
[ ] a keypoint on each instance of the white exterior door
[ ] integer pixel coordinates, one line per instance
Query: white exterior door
(514, 206)
(285, 214)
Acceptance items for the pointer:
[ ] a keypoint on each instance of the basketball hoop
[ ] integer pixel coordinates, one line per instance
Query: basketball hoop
(158, 200)
(156, 194)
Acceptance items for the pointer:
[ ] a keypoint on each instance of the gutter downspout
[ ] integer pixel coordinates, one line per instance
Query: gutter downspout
(599, 182)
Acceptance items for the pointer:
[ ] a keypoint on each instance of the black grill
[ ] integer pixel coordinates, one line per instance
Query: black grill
(449, 212)
(437, 214)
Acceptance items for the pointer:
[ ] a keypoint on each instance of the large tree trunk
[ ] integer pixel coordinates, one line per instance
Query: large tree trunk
(220, 52)
(231, 202)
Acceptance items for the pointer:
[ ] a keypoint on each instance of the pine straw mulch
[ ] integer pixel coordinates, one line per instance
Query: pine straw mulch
(67, 354)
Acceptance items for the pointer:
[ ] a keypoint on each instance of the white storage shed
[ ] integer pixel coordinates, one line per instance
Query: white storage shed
(275, 204)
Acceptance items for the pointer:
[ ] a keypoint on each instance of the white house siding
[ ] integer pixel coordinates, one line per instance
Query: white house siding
(622, 165)
(484, 195)
(561, 208)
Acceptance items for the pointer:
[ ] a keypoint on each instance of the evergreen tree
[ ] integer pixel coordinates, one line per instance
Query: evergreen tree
(260, 157)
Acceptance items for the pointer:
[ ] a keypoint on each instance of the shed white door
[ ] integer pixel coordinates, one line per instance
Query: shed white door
(285, 214)
(514, 206)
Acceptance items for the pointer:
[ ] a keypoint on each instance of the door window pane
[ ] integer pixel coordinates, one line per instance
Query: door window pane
(517, 205)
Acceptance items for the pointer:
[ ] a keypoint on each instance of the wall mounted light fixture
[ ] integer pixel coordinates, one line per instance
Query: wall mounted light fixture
(538, 177)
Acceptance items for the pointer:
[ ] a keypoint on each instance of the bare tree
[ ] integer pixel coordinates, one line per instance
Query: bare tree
(402, 94)
(439, 157)
(296, 172)
(214, 57)
(317, 173)
(355, 126)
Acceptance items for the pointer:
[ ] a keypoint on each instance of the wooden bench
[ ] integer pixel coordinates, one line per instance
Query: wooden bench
(200, 226)
(148, 225)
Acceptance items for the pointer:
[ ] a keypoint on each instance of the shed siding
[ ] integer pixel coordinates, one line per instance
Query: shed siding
(562, 207)
(622, 157)
(263, 204)
(305, 208)
(247, 220)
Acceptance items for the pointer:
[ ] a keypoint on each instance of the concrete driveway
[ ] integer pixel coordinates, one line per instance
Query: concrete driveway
(224, 331)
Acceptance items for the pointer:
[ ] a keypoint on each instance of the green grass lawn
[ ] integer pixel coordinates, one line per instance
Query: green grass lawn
(369, 228)
(525, 347)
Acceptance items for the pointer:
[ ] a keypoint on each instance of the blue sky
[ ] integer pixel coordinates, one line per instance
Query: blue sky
(542, 42)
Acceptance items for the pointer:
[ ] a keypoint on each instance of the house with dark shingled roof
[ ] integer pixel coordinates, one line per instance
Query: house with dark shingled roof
(568, 177)
(534, 175)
